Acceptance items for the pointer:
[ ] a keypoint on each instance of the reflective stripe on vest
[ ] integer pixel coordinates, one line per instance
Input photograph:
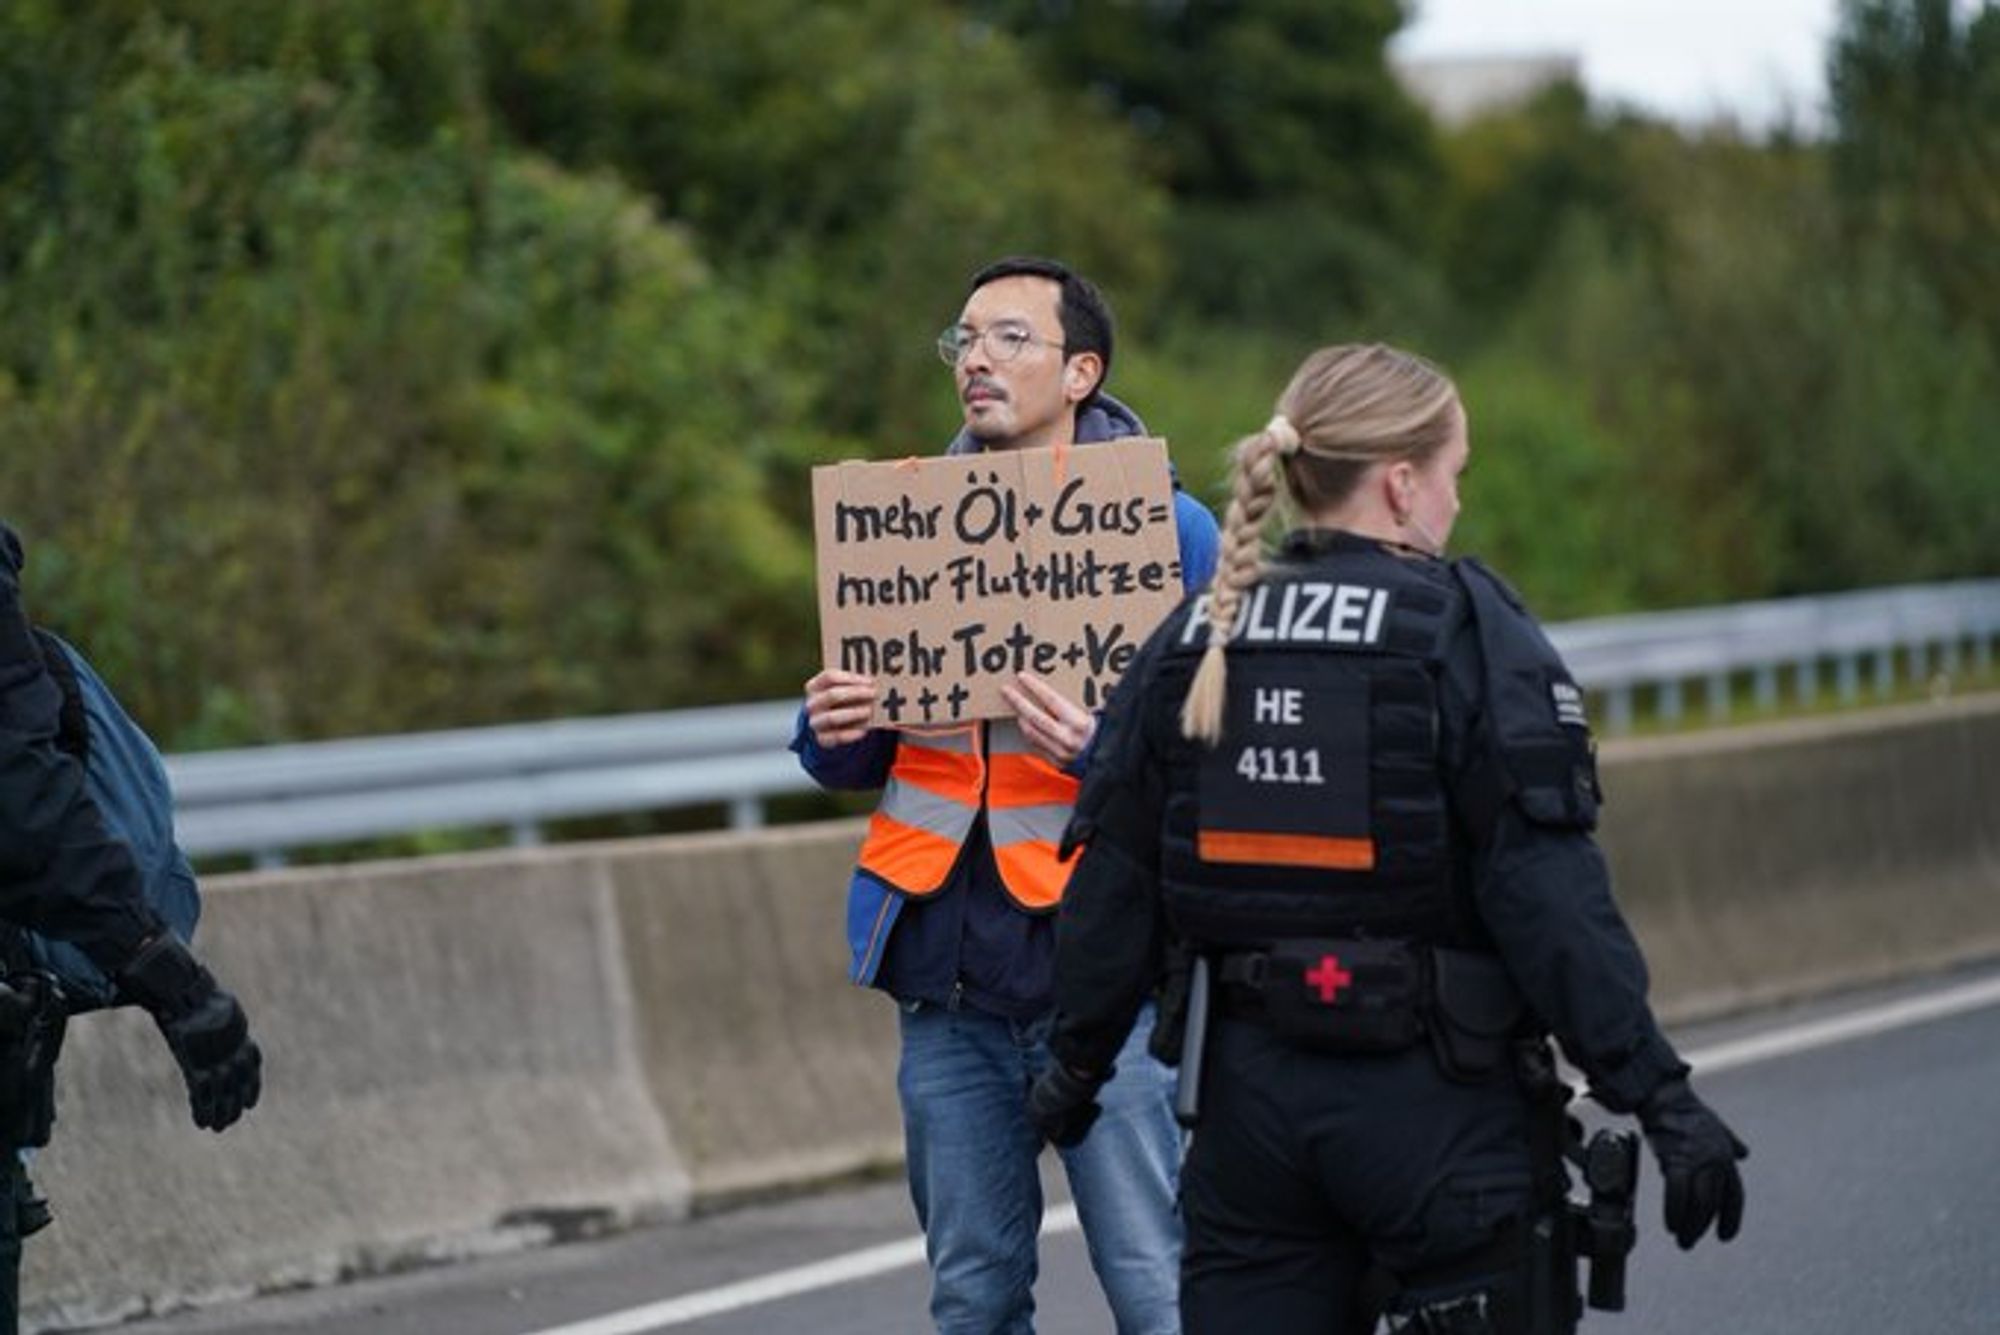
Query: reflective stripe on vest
(926, 811)
(1028, 804)
(933, 796)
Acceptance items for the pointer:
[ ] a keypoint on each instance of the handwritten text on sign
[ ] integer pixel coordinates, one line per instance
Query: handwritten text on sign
(943, 577)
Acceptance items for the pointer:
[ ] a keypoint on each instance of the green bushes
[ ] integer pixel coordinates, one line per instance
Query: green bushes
(372, 366)
(314, 435)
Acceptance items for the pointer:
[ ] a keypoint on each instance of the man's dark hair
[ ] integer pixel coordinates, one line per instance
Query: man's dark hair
(1085, 315)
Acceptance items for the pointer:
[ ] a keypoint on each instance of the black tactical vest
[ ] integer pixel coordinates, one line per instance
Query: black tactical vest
(1322, 810)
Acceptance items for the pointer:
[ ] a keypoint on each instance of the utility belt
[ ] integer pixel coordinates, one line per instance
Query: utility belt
(32, 1022)
(1351, 997)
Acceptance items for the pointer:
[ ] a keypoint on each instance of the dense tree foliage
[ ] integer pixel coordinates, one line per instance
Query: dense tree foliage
(1303, 177)
(371, 366)
(1916, 98)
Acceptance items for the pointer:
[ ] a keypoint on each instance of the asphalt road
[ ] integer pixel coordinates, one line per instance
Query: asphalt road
(1874, 1208)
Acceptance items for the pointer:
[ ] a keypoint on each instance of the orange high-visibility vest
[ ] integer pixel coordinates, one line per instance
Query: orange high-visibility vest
(934, 793)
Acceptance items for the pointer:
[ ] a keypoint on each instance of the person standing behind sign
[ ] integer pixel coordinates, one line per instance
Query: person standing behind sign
(963, 937)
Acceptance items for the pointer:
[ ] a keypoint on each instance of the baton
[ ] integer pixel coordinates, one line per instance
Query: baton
(1194, 1042)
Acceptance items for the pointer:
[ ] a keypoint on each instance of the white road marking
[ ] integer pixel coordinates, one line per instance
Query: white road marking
(1840, 1028)
(872, 1261)
(845, 1269)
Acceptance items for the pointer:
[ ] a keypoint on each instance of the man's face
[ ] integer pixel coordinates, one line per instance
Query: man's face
(1029, 399)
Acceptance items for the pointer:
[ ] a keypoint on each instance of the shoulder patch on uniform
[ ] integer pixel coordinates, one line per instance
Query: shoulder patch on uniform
(1567, 697)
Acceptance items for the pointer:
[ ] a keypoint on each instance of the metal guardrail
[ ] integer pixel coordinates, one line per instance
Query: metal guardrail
(1930, 626)
(265, 800)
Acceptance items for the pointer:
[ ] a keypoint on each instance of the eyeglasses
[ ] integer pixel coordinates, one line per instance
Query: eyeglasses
(1004, 341)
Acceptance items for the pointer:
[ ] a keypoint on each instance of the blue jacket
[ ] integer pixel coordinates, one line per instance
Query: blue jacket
(61, 872)
(978, 948)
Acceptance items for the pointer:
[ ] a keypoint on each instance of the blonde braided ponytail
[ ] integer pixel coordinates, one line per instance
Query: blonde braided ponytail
(1254, 488)
(1349, 407)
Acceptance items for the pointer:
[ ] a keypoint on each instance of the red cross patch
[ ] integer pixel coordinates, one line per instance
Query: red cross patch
(1327, 978)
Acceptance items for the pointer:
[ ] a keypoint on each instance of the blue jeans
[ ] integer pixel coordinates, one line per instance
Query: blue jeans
(972, 1161)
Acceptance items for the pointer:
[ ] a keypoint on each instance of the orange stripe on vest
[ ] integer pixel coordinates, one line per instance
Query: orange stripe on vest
(949, 774)
(1034, 878)
(1285, 850)
(1028, 781)
(911, 860)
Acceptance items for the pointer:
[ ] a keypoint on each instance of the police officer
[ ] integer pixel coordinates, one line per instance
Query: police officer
(1358, 788)
(62, 875)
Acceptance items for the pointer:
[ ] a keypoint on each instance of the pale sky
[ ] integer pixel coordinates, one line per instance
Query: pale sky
(1685, 59)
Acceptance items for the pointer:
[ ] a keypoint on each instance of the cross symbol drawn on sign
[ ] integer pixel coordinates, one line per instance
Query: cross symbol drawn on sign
(1327, 978)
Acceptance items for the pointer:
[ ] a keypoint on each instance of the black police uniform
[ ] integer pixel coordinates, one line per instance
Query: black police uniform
(63, 875)
(1387, 862)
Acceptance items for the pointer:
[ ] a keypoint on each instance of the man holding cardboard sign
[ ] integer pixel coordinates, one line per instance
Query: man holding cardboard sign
(1014, 586)
(974, 611)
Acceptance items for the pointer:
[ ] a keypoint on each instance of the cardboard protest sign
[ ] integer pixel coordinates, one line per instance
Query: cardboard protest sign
(943, 577)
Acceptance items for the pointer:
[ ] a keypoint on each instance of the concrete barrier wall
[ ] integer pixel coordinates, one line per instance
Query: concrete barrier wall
(767, 1066)
(1766, 862)
(491, 1051)
(450, 1044)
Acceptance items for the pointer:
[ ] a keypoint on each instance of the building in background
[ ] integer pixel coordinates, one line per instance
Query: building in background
(1458, 89)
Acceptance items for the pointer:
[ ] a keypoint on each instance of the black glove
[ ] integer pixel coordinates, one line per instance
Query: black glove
(1063, 1104)
(1697, 1155)
(203, 1025)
